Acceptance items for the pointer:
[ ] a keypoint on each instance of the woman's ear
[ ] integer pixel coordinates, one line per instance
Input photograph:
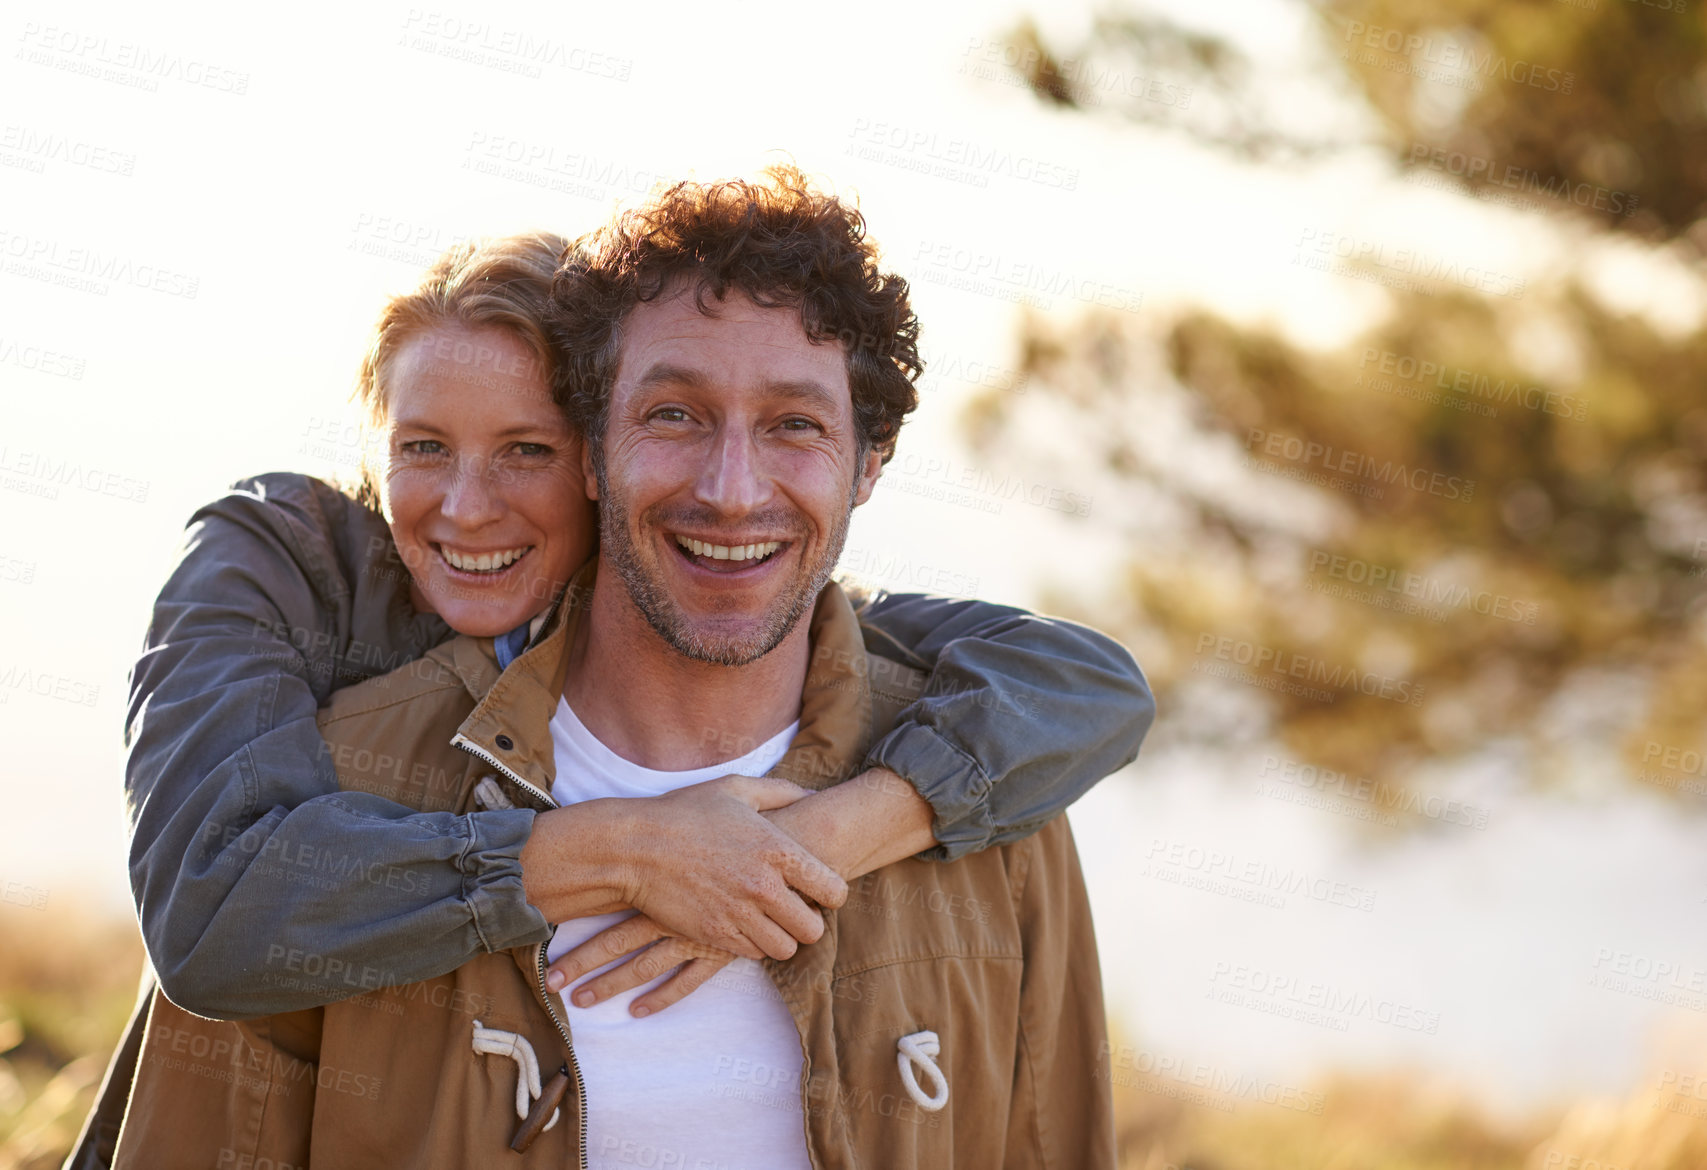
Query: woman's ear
(589, 477)
(373, 462)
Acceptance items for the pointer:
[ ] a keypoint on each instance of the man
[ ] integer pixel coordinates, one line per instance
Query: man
(741, 370)
(728, 448)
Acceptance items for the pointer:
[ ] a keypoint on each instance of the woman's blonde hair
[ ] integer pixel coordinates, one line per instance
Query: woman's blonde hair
(501, 282)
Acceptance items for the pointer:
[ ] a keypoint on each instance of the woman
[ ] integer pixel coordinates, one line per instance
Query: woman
(262, 888)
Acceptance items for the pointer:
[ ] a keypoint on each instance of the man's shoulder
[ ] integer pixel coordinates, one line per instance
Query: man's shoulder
(441, 685)
(395, 735)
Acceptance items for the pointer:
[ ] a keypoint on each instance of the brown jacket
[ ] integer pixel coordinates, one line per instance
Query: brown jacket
(994, 953)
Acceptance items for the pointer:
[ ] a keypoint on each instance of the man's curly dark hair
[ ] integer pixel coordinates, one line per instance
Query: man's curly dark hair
(778, 241)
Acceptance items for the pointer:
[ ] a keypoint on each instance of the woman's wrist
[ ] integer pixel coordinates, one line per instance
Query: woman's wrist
(862, 824)
(574, 863)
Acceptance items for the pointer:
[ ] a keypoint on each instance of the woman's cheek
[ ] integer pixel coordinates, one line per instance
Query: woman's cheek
(573, 516)
(408, 490)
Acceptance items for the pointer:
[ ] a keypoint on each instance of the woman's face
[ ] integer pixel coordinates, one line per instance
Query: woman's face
(482, 482)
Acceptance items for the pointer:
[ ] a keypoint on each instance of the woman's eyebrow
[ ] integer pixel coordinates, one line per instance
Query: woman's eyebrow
(403, 422)
(406, 423)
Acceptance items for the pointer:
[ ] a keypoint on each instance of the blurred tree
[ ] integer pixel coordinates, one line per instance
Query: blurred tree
(1636, 74)
(1504, 526)
(1122, 66)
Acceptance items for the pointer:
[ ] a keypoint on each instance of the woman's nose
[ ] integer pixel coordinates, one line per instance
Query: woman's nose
(475, 495)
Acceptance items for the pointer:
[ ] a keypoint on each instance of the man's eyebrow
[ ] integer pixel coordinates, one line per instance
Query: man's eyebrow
(812, 393)
(665, 373)
(800, 389)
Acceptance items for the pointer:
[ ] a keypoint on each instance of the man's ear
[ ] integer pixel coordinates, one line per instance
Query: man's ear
(868, 476)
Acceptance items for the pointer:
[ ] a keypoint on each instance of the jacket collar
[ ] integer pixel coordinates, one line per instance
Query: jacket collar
(511, 722)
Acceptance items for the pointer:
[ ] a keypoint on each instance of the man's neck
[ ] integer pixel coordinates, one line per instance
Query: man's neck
(656, 707)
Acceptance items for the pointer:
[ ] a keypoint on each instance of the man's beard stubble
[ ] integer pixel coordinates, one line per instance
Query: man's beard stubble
(646, 588)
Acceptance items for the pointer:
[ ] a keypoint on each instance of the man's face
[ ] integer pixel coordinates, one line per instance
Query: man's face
(731, 468)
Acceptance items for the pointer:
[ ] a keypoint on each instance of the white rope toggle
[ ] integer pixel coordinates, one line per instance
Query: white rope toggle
(489, 796)
(497, 1042)
(920, 1048)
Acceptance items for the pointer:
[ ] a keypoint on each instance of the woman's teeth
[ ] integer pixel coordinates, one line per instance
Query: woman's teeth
(724, 552)
(482, 562)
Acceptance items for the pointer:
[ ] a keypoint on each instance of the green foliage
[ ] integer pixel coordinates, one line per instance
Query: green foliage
(1520, 484)
(1599, 105)
(1620, 103)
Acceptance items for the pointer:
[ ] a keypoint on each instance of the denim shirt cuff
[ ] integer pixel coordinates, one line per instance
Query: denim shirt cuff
(951, 780)
(492, 880)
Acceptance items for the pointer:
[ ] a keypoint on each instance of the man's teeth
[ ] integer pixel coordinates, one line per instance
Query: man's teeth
(725, 552)
(481, 562)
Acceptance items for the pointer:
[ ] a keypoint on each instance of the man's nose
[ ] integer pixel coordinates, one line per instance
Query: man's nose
(733, 480)
(474, 496)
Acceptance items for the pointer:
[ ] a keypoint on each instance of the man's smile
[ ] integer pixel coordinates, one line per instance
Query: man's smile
(726, 558)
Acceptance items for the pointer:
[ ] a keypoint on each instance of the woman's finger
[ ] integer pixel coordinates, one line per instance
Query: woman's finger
(607, 946)
(692, 976)
(650, 964)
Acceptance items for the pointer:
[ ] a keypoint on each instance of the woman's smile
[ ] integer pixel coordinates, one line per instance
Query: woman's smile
(488, 564)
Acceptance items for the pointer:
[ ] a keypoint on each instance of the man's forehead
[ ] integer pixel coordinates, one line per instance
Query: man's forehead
(671, 340)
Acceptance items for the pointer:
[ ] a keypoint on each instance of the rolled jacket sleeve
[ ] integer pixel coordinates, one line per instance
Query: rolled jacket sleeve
(261, 887)
(1022, 714)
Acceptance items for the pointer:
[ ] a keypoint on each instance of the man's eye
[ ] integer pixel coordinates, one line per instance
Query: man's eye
(670, 414)
(532, 449)
(799, 425)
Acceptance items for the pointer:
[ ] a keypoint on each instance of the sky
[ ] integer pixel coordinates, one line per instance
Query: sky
(205, 208)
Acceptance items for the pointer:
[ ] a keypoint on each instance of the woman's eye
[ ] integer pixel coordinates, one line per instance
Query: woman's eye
(423, 447)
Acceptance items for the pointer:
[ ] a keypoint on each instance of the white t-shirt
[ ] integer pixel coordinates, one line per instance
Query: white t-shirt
(713, 1081)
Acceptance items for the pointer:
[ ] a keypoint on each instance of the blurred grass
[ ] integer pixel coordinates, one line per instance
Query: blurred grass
(68, 981)
(1399, 1122)
(1386, 1122)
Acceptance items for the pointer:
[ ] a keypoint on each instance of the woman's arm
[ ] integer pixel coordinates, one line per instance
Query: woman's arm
(285, 591)
(261, 886)
(1022, 714)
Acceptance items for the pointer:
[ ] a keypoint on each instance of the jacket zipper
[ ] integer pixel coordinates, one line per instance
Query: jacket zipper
(806, 1097)
(574, 1065)
(474, 749)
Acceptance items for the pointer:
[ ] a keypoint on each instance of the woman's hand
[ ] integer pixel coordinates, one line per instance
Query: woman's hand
(702, 862)
(660, 952)
(857, 826)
